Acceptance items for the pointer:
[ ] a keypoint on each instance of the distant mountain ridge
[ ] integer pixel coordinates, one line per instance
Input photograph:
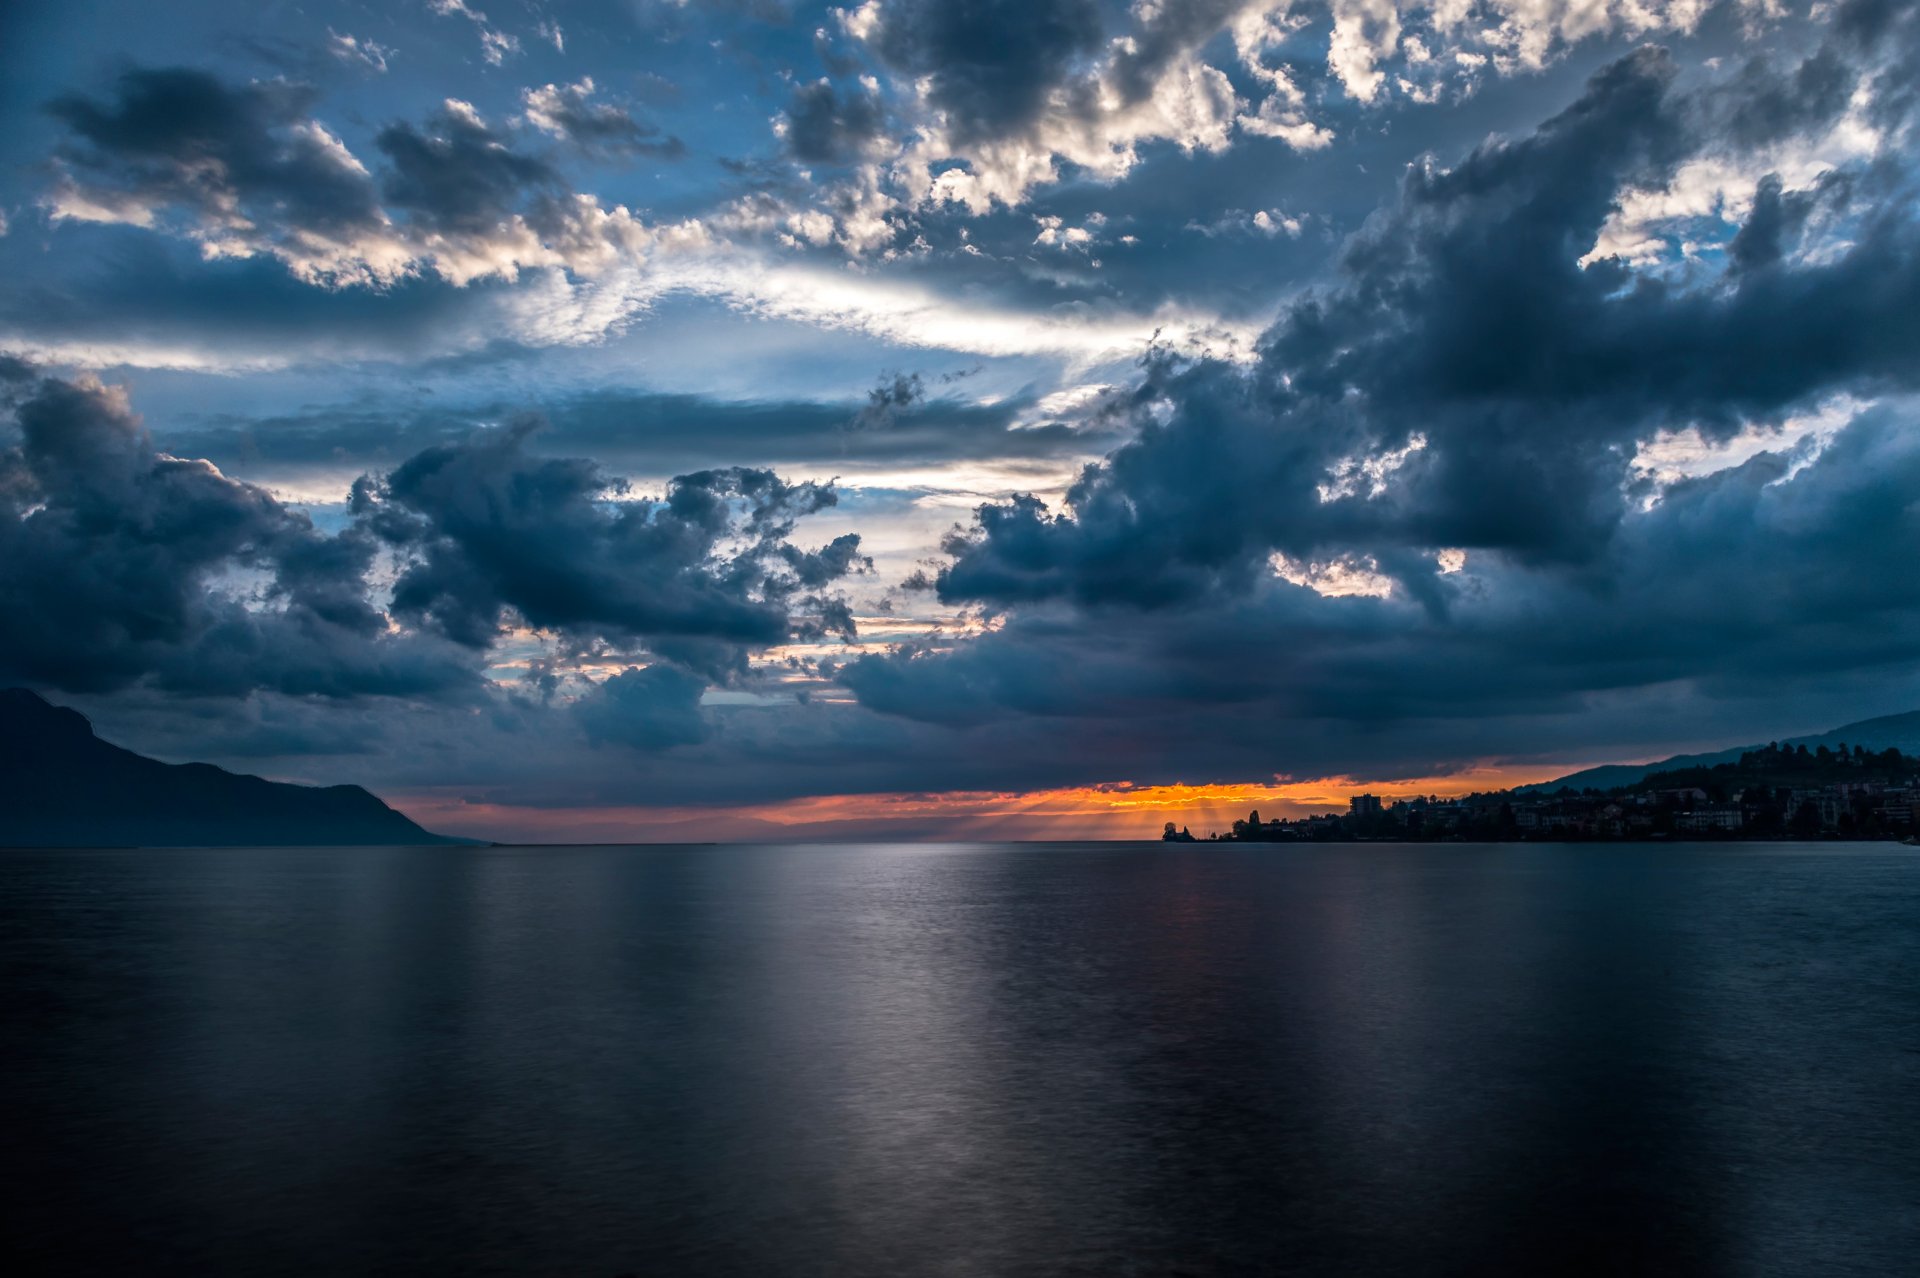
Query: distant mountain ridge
(1900, 731)
(62, 786)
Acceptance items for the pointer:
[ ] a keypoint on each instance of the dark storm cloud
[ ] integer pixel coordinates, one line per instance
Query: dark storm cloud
(1466, 323)
(1138, 632)
(1736, 576)
(826, 125)
(654, 708)
(1875, 25)
(456, 175)
(237, 158)
(124, 567)
(1468, 385)
(990, 64)
(119, 562)
(1778, 219)
(537, 753)
(997, 67)
(250, 171)
(1760, 105)
(487, 527)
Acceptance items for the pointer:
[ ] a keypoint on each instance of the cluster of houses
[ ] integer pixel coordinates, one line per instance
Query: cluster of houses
(1848, 809)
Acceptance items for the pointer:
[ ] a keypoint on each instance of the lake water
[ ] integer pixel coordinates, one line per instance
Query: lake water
(969, 1059)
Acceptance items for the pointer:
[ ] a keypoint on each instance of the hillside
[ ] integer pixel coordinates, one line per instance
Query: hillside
(62, 786)
(1785, 768)
(1894, 731)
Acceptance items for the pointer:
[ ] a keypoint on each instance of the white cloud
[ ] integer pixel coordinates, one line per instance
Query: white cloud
(364, 53)
(1277, 223)
(1191, 105)
(908, 315)
(1673, 456)
(1423, 48)
(1376, 48)
(1644, 228)
(567, 110)
(1054, 233)
(1366, 475)
(1071, 401)
(1276, 119)
(69, 200)
(860, 22)
(1267, 222)
(1365, 33)
(1348, 575)
(495, 45)
(611, 269)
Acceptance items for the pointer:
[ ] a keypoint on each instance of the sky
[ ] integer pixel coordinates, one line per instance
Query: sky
(955, 418)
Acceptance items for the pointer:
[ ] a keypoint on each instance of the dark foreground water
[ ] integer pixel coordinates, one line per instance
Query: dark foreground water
(962, 1060)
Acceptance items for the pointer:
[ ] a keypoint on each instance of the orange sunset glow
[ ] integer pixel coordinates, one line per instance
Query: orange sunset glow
(1116, 810)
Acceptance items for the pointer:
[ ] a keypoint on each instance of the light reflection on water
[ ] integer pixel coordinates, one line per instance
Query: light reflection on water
(969, 1059)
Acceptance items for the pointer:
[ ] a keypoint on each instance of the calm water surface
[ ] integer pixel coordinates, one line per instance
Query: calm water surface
(970, 1059)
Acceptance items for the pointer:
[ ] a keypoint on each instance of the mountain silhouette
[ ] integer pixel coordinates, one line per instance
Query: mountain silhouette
(61, 786)
(1900, 731)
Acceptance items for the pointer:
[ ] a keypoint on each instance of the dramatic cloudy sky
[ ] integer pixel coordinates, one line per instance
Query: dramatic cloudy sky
(640, 417)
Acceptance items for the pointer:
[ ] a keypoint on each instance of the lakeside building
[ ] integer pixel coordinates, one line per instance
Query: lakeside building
(1873, 807)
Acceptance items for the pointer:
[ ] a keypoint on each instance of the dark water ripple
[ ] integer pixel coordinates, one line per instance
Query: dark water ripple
(987, 1060)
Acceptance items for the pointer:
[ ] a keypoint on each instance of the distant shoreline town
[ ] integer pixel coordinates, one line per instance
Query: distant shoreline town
(1776, 792)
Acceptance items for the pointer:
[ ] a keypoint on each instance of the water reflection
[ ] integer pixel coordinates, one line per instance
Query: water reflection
(969, 1059)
